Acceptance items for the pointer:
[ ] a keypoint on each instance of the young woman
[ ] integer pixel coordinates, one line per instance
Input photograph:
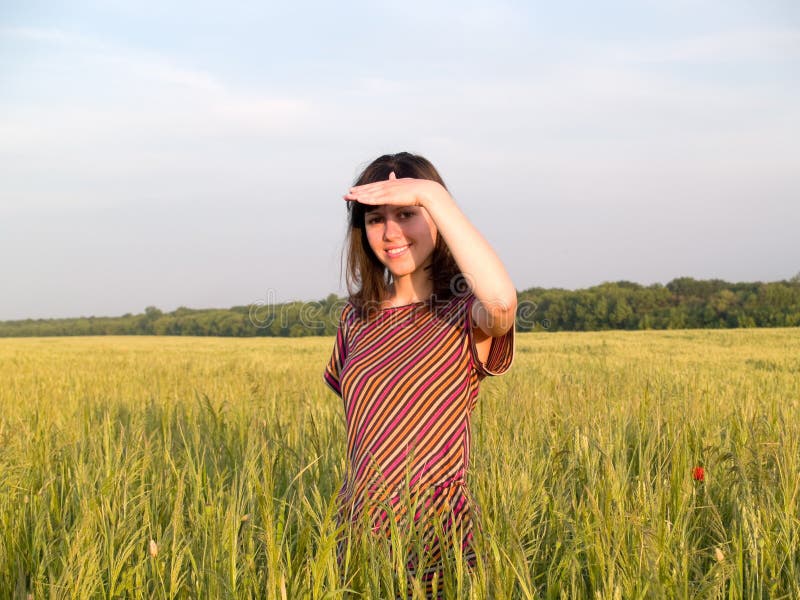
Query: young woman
(430, 314)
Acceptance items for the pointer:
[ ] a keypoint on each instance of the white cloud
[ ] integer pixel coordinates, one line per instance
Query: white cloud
(52, 35)
(714, 47)
(97, 93)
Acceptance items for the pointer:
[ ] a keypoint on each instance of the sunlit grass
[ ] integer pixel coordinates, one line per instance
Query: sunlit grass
(208, 468)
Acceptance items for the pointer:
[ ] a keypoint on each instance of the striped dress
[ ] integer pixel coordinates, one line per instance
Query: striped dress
(409, 381)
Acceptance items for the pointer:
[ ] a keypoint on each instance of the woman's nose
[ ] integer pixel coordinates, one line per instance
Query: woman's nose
(391, 229)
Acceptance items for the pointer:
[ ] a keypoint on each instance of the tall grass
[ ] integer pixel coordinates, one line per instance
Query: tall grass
(208, 468)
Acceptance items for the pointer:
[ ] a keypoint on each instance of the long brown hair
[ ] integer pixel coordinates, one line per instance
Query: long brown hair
(367, 278)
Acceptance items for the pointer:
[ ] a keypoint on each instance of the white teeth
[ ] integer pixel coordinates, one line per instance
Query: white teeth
(395, 251)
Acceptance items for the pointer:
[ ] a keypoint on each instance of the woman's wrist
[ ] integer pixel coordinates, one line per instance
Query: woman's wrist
(435, 195)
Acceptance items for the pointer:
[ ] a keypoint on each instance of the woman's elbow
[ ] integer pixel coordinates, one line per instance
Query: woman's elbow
(502, 317)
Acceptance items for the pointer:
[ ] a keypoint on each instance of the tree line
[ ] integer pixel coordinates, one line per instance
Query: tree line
(683, 303)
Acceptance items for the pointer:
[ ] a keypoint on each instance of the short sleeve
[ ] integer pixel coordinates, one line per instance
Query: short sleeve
(333, 369)
(501, 352)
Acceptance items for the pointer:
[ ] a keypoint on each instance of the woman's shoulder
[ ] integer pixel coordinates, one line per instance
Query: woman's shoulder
(349, 311)
(343, 311)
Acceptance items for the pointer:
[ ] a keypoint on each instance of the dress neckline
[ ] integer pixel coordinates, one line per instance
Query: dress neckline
(404, 305)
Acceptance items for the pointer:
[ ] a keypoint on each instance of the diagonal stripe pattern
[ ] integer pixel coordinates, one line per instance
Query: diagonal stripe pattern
(409, 380)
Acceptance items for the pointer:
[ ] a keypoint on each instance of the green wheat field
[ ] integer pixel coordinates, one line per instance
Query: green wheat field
(158, 467)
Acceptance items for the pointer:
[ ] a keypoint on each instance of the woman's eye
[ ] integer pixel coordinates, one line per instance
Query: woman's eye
(406, 214)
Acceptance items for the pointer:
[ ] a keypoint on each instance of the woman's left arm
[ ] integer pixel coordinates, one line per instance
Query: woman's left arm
(496, 304)
(496, 297)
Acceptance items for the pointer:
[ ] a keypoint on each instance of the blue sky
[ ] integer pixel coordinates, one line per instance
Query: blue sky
(195, 154)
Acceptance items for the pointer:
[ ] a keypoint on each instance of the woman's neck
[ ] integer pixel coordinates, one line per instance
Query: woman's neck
(405, 291)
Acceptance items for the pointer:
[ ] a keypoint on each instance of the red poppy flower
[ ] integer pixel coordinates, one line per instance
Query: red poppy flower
(699, 474)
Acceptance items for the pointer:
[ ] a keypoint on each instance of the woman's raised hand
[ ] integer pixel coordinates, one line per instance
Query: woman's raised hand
(396, 192)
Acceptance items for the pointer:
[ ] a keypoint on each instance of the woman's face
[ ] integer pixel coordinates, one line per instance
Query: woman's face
(402, 237)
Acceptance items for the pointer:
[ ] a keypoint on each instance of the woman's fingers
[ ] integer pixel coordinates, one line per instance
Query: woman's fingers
(365, 193)
(369, 187)
(389, 191)
(366, 197)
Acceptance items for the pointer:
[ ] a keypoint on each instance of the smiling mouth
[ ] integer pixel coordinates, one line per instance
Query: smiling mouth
(398, 251)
